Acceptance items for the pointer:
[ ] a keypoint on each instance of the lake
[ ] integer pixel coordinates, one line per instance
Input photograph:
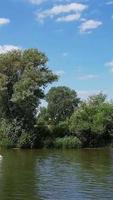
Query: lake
(85, 174)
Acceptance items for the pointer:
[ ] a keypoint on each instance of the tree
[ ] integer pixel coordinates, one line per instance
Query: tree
(23, 77)
(97, 100)
(93, 121)
(62, 101)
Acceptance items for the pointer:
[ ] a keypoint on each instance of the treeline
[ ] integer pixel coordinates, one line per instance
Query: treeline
(66, 122)
(74, 123)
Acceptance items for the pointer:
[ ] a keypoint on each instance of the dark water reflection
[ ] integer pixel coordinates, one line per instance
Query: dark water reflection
(56, 175)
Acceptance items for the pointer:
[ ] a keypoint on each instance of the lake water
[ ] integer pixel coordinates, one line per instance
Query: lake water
(85, 174)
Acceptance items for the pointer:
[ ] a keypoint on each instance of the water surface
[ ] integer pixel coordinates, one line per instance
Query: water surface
(85, 174)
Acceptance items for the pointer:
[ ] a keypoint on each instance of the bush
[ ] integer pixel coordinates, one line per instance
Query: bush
(25, 141)
(9, 132)
(92, 123)
(6, 143)
(70, 142)
(5, 128)
(61, 129)
(48, 143)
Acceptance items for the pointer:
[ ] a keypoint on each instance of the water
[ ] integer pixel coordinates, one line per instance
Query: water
(56, 175)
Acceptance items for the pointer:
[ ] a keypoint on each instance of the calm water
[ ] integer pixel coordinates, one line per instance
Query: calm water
(56, 175)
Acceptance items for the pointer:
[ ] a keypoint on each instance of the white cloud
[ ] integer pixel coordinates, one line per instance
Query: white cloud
(89, 25)
(4, 21)
(110, 65)
(88, 77)
(72, 8)
(84, 94)
(37, 2)
(69, 18)
(109, 3)
(6, 48)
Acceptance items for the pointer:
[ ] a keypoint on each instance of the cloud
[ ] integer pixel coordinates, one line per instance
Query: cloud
(110, 65)
(6, 48)
(4, 21)
(84, 94)
(37, 2)
(88, 77)
(109, 3)
(69, 18)
(89, 25)
(70, 8)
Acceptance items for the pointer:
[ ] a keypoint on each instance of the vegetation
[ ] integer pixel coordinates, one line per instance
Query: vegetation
(66, 122)
(68, 142)
(92, 123)
(62, 102)
(23, 77)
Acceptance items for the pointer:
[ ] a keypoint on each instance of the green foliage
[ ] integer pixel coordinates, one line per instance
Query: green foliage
(43, 116)
(23, 77)
(61, 129)
(69, 142)
(48, 143)
(42, 133)
(97, 100)
(6, 143)
(5, 131)
(25, 141)
(62, 101)
(65, 123)
(93, 122)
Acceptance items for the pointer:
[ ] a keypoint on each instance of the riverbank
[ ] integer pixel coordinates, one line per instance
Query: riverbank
(67, 142)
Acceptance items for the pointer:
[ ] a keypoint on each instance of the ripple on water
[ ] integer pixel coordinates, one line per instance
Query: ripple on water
(57, 175)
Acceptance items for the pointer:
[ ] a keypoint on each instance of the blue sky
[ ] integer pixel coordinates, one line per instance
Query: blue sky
(76, 35)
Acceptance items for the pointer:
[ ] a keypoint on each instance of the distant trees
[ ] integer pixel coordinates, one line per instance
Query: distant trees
(66, 122)
(92, 123)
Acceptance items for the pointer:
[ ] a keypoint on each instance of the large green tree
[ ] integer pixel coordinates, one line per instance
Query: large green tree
(62, 101)
(23, 76)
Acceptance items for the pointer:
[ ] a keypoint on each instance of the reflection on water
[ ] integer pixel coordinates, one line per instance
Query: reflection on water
(18, 176)
(57, 175)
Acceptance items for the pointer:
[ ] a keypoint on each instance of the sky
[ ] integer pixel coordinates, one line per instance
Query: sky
(76, 35)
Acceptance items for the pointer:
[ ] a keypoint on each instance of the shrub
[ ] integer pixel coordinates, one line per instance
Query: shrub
(10, 131)
(70, 142)
(61, 129)
(48, 143)
(25, 141)
(5, 128)
(6, 143)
